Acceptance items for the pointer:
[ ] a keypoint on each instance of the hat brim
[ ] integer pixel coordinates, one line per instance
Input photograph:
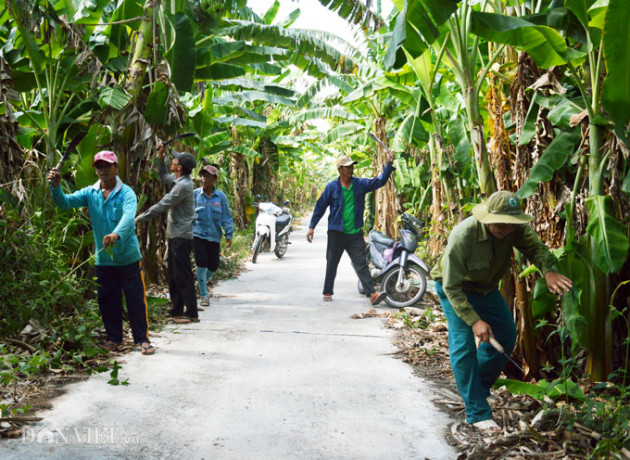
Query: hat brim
(111, 162)
(350, 163)
(482, 214)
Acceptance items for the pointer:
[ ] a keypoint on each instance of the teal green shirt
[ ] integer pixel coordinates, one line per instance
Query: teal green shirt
(348, 211)
(474, 262)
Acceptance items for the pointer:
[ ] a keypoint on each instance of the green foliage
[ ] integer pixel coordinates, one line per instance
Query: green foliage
(558, 389)
(39, 284)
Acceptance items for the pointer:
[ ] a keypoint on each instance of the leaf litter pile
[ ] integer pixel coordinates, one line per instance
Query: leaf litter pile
(531, 428)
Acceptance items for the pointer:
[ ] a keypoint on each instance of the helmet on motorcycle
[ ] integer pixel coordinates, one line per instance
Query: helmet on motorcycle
(411, 223)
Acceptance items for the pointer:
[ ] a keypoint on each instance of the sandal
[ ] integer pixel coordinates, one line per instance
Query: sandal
(488, 426)
(110, 346)
(181, 319)
(327, 297)
(377, 297)
(147, 348)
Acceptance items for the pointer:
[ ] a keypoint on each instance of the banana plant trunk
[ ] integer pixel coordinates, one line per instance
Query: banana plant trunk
(386, 201)
(598, 362)
(487, 184)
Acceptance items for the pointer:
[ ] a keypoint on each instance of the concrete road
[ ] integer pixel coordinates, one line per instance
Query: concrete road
(270, 372)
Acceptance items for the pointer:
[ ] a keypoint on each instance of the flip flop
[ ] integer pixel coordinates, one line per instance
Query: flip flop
(147, 349)
(181, 319)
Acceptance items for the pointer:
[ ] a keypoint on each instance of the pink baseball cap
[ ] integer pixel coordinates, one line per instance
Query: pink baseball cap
(105, 155)
(210, 170)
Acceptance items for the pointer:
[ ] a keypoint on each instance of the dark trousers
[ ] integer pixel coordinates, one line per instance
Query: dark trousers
(207, 253)
(112, 282)
(354, 245)
(181, 283)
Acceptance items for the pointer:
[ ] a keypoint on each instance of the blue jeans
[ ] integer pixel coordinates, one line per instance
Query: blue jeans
(477, 369)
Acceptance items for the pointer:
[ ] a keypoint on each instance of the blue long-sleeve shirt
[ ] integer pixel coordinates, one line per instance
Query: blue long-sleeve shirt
(212, 216)
(333, 197)
(112, 215)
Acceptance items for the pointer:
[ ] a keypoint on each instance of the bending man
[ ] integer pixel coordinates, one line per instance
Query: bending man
(467, 276)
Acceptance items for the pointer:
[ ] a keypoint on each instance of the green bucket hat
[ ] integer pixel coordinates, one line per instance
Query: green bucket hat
(502, 207)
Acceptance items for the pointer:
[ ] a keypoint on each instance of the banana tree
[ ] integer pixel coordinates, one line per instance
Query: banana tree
(590, 258)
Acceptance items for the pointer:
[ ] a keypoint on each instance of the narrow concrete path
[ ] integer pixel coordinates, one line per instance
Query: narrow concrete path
(270, 372)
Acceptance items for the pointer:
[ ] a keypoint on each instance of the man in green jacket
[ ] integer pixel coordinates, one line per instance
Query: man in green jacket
(467, 276)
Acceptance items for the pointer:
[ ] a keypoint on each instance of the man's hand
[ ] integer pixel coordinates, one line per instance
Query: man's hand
(557, 283)
(228, 243)
(54, 177)
(110, 239)
(309, 235)
(482, 331)
(160, 150)
(389, 155)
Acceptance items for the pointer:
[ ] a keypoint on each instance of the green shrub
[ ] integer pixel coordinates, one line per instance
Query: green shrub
(37, 281)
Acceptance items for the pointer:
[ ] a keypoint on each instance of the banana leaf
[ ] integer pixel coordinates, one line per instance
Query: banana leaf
(342, 131)
(250, 96)
(552, 159)
(609, 234)
(113, 97)
(416, 27)
(157, 109)
(546, 46)
(616, 46)
(323, 112)
(218, 71)
(182, 56)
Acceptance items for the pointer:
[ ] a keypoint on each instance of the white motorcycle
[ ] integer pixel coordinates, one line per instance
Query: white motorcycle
(273, 225)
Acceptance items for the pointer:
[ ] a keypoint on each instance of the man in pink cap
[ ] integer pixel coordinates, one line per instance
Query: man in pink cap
(212, 219)
(112, 208)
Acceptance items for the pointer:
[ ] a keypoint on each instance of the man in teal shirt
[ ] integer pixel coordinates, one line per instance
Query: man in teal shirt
(467, 275)
(112, 208)
(346, 198)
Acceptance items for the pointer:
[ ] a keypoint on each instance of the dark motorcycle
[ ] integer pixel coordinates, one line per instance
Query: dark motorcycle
(394, 265)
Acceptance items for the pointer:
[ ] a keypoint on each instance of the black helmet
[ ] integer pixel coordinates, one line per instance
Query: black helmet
(411, 223)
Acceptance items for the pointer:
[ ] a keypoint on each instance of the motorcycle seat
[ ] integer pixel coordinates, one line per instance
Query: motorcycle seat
(381, 238)
(282, 221)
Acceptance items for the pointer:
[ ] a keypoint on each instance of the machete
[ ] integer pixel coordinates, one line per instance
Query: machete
(497, 346)
(73, 144)
(380, 142)
(179, 136)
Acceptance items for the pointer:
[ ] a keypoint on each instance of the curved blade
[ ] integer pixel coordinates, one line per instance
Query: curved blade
(179, 136)
(73, 144)
(380, 142)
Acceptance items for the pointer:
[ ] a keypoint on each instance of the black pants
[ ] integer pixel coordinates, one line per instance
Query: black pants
(181, 283)
(207, 254)
(354, 245)
(112, 282)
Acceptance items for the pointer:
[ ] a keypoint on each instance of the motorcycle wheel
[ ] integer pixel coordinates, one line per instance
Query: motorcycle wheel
(256, 247)
(281, 246)
(414, 287)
